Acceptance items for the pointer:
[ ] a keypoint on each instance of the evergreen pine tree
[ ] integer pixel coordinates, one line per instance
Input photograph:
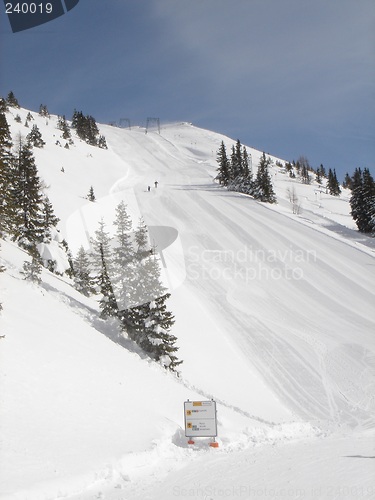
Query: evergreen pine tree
(141, 240)
(70, 271)
(3, 105)
(91, 194)
(48, 219)
(347, 181)
(123, 256)
(333, 184)
(78, 123)
(318, 177)
(91, 131)
(12, 100)
(289, 168)
(26, 200)
(35, 137)
(236, 161)
(160, 342)
(305, 176)
(5, 174)
(149, 323)
(83, 280)
(86, 128)
(63, 126)
(32, 270)
(303, 169)
(75, 118)
(263, 189)
(362, 201)
(239, 158)
(102, 143)
(43, 111)
(223, 175)
(246, 167)
(102, 264)
(369, 201)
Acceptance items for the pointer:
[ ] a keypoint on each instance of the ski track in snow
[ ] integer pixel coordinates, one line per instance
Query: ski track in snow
(252, 226)
(290, 362)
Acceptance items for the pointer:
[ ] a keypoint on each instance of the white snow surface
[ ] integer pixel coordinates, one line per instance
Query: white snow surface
(274, 319)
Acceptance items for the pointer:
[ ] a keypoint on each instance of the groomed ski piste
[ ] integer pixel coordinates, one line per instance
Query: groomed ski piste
(274, 318)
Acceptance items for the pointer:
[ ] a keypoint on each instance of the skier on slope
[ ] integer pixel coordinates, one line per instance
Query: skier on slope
(156, 184)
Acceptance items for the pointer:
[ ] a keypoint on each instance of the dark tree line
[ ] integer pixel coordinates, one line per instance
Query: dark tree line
(26, 213)
(87, 129)
(236, 173)
(305, 172)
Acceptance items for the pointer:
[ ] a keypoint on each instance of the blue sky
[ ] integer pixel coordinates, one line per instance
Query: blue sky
(291, 77)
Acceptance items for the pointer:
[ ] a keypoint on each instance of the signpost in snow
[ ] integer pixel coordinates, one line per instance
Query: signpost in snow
(200, 419)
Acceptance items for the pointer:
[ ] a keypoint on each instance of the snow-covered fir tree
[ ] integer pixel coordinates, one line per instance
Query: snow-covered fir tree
(5, 175)
(141, 240)
(263, 189)
(86, 128)
(48, 219)
(223, 175)
(236, 174)
(43, 111)
(83, 281)
(332, 183)
(139, 293)
(242, 181)
(236, 162)
(123, 276)
(32, 270)
(347, 183)
(26, 198)
(3, 105)
(91, 194)
(159, 324)
(303, 168)
(35, 137)
(148, 321)
(362, 201)
(102, 264)
(63, 126)
(12, 101)
(102, 143)
(246, 164)
(29, 118)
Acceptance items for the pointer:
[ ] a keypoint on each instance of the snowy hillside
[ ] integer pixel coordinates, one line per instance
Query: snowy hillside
(274, 319)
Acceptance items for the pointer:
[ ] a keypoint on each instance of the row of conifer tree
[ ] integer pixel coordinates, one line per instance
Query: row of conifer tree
(125, 271)
(235, 172)
(26, 213)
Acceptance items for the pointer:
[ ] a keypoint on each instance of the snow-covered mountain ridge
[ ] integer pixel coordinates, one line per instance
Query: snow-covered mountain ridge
(274, 319)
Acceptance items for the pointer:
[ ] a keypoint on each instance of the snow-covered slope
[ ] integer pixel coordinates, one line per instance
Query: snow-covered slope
(274, 319)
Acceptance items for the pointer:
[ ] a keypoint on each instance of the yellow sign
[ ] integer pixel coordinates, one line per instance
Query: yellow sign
(189, 425)
(197, 403)
(188, 412)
